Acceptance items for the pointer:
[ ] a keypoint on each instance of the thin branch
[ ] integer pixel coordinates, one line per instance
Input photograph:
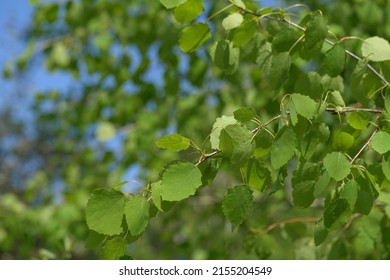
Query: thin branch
(353, 109)
(267, 123)
(288, 221)
(364, 146)
(207, 156)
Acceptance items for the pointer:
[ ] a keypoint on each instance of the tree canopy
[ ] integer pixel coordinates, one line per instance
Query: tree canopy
(201, 129)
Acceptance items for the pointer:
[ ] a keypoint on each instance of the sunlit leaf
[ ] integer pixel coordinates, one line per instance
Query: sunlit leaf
(180, 181)
(337, 165)
(173, 142)
(376, 49)
(194, 36)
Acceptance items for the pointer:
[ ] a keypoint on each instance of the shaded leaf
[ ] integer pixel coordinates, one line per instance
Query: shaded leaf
(113, 249)
(303, 194)
(350, 192)
(337, 214)
(321, 184)
(279, 71)
(137, 214)
(219, 124)
(237, 204)
(320, 233)
(283, 147)
(334, 61)
(315, 34)
(244, 114)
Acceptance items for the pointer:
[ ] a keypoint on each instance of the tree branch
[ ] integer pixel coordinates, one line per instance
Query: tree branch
(353, 109)
(364, 146)
(288, 221)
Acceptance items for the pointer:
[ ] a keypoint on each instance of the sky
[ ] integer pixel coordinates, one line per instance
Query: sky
(18, 93)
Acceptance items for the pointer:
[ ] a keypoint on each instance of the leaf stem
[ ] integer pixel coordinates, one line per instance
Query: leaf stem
(364, 146)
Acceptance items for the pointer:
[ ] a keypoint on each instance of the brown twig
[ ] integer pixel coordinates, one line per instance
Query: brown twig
(288, 221)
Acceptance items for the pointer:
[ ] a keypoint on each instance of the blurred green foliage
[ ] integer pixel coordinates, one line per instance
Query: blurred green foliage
(132, 85)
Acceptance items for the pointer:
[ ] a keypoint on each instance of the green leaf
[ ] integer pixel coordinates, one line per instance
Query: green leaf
(364, 201)
(387, 103)
(94, 239)
(304, 105)
(238, 3)
(60, 55)
(320, 233)
(225, 56)
(303, 194)
(283, 147)
(235, 142)
(337, 213)
(105, 210)
(386, 167)
(244, 33)
(310, 84)
(103, 41)
(350, 192)
(237, 204)
(114, 249)
(336, 99)
(264, 58)
(376, 49)
(381, 142)
(219, 124)
(279, 71)
(173, 142)
(244, 114)
(232, 21)
(334, 61)
(105, 131)
(337, 165)
(284, 40)
(137, 214)
(188, 10)
(257, 175)
(315, 34)
(321, 184)
(194, 36)
(309, 144)
(359, 120)
(342, 141)
(180, 181)
(156, 194)
(169, 4)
